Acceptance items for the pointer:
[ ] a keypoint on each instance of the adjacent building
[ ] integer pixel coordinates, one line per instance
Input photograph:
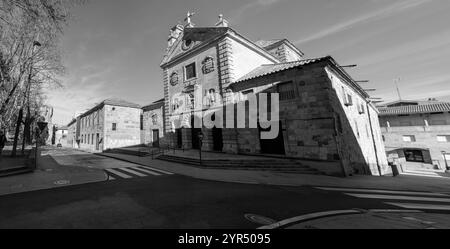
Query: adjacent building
(152, 124)
(61, 136)
(113, 123)
(324, 114)
(417, 133)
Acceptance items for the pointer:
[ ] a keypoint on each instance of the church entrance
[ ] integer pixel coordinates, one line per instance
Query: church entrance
(155, 138)
(273, 146)
(217, 139)
(179, 137)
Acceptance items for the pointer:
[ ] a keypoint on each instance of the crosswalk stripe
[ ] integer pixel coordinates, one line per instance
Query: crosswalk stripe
(157, 170)
(383, 191)
(420, 206)
(117, 173)
(110, 178)
(399, 197)
(133, 172)
(146, 171)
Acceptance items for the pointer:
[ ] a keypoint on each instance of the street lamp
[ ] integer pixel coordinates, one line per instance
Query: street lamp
(200, 138)
(444, 153)
(39, 129)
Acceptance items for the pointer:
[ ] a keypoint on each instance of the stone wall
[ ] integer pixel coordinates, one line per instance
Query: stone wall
(425, 139)
(92, 125)
(128, 130)
(359, 136)
(152, 120)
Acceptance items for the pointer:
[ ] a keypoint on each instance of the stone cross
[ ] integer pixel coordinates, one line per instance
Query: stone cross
(188, 18)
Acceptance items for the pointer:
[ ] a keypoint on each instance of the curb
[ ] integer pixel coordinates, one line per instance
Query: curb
(322, 215)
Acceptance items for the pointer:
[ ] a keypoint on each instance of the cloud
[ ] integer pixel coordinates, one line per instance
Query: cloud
(239, 14)
(376, 15)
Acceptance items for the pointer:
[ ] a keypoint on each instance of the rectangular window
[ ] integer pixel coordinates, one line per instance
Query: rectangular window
(357, 129)
(92, 141)
(114, 127)
(286, 91)
(414, 156)
(362, 108)
(142, 122)
(409, 138)
(443, 138)
(190, 71)
(88, 139)
(349, 100)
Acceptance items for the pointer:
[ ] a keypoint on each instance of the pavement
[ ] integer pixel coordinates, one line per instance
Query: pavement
(379, 219)
(403, 182)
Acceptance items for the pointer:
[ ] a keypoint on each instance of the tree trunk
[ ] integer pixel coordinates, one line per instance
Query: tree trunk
(16, 135)
(27, 131)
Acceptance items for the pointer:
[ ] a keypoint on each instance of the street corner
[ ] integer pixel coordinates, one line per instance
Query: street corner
(49, 174)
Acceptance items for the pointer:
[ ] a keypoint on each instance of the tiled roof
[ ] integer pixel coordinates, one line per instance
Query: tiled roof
(121, 102)
(113, 102)
(415, 109)
(153, 106)
(275, 68)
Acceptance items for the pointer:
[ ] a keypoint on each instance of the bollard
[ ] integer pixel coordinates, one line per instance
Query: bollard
(395, 170)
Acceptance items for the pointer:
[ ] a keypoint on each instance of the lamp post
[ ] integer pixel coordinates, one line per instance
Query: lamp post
(447, 168)
(39, 129)
(200, 138)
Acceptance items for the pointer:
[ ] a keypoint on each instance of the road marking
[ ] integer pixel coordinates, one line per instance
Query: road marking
(399, 197)
(383, 191)
(147, 171)
(423, 175)
(420, 206)
(157, 170)
(110, 178)
(308, 217)
(133, 172)
(115, 172)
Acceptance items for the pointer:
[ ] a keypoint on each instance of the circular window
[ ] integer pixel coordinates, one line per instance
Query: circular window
(187, 44)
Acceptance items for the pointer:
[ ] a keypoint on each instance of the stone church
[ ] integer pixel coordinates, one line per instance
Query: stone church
(324, 115)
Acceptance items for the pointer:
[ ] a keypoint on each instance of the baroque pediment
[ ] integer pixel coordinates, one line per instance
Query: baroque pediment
(190, 39)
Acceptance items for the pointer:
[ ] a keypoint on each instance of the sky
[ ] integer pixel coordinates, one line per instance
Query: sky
(113, 48)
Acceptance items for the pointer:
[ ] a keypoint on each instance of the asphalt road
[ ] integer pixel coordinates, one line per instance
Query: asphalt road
(152, 199)
(167, 202)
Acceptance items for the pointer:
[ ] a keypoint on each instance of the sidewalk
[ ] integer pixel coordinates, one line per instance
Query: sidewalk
(406, 183)
(48, 175)
(379, 220)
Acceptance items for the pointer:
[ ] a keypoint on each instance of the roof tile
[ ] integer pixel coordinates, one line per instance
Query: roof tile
(415, 109)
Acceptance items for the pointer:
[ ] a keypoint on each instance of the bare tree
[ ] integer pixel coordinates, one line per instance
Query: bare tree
(29, 57)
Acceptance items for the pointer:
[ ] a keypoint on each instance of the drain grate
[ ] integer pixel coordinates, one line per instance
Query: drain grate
(62, 182)
(260, 220)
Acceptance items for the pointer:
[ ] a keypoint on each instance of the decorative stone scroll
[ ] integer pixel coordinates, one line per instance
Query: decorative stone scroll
(208, 65)
(174, 79)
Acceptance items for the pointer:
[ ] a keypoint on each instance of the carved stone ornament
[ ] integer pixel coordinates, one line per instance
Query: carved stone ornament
(174, 79)
(187, 44)
(208, 65)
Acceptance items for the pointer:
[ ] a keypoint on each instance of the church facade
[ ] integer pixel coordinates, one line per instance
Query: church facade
(217, 81)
